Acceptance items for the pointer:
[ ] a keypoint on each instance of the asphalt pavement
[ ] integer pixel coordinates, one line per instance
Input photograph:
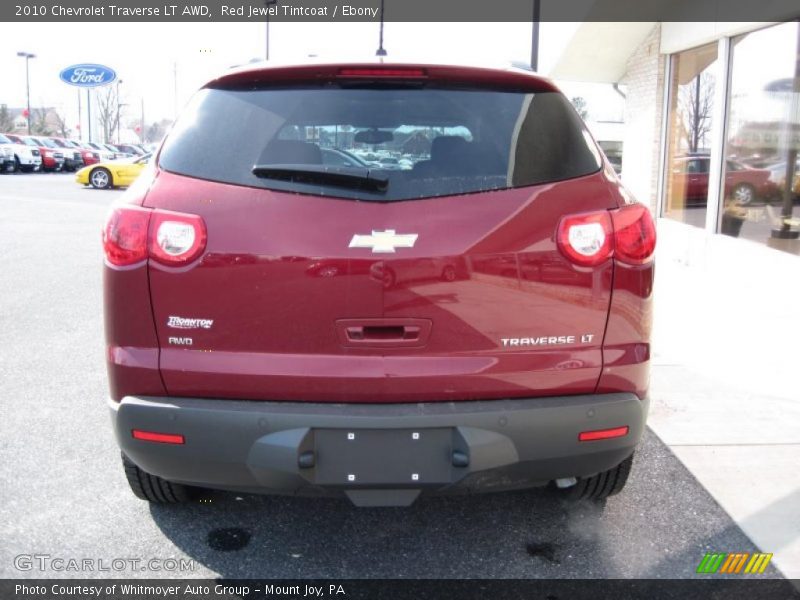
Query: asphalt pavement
(63, 494)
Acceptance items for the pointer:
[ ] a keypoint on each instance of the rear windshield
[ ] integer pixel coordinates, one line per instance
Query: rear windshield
(417, 142)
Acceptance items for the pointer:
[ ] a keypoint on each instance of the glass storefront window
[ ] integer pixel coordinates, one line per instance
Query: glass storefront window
(691, 105)
(761, 196)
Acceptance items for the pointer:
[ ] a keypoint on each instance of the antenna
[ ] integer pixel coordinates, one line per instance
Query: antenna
(381, 50)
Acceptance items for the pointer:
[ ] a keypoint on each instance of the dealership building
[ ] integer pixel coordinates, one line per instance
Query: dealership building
(712, 127)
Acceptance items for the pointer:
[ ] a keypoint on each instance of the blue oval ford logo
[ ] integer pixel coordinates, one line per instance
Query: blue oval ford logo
(88, 75)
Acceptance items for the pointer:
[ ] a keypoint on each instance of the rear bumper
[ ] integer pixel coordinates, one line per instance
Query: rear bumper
(257, 447)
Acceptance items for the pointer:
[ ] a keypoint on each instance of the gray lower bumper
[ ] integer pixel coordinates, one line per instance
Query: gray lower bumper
(301, 448)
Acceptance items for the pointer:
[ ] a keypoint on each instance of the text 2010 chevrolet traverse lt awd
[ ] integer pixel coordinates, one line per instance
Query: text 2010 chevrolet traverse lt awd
(475, 318)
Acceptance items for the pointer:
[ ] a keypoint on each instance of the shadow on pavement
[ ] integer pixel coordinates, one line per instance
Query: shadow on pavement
(660, 526)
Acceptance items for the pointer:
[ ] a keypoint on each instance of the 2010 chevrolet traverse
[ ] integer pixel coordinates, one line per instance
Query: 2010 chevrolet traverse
(476, 317)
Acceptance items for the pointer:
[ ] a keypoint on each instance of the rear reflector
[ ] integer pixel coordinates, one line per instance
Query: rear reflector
(162, 438)
(382, 72)
(602, 434)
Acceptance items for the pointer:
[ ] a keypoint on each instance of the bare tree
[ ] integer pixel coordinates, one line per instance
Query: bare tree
(6, 122)
(696, 102)
(61, 125)
(39, 124)
(108, 110)
(579, 102)
(156, 131)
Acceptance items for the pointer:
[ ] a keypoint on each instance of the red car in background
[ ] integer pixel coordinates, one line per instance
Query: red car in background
(743, 184)
(89, 155)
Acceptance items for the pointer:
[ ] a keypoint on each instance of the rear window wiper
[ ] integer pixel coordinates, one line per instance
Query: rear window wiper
(346, 177)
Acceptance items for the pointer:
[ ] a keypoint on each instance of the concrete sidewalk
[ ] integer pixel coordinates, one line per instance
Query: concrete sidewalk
(725, 385)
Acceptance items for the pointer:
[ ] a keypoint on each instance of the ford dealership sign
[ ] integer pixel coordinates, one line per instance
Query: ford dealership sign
(88, 75)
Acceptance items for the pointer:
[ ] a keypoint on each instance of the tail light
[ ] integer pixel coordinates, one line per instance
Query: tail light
(634, 234)
(125, 235)
(133, 234)
(627, 233)
(176, 238)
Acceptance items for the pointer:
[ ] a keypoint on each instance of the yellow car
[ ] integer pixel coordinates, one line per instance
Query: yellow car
(112, 173)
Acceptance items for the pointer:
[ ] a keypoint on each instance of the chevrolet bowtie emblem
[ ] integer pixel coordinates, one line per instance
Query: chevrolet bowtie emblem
(384, 241)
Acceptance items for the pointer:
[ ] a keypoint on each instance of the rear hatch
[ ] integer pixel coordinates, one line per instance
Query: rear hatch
(380, 237)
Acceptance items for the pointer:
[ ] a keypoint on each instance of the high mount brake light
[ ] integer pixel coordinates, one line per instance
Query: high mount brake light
(373, 72)
(588, 239)
(133, 234)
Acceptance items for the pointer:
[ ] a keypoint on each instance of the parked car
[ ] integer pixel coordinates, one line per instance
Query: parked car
(52, 156)
(254, 343)
(88, 154)
(27, 157)
(7, 161)
(341, 158)
(105, 153)
(130, 149)
(118, 153)
(114, 173)
(73, 157)
(743, 184)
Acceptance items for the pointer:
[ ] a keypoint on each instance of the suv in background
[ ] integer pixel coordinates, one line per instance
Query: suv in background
(73, 157)
(255, 342)
(52, 155)
(27, 157)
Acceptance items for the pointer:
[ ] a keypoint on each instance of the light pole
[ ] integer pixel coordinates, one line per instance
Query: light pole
(381, 50)
(119, 106)
(267, 4)
(535, 36)
(27, 56)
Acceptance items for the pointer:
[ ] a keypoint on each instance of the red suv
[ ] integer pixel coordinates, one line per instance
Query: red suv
(255, 344)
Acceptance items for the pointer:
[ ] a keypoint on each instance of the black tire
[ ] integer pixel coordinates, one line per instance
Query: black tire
(17, 167)
(100, 179)
(152, 488)
(601, 486)
(449, 273)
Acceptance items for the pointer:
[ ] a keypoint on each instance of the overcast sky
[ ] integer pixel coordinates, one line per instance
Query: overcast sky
(146, 57)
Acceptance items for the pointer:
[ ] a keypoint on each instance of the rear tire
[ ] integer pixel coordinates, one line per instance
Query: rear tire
(601, 486)
(152, 488)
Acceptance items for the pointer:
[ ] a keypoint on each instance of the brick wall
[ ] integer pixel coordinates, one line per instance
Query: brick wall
(644, 81)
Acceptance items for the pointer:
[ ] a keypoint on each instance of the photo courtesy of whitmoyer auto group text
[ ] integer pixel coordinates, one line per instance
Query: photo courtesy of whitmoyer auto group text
(402, 299)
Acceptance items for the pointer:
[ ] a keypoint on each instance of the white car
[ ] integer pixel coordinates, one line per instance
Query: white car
(22, 156)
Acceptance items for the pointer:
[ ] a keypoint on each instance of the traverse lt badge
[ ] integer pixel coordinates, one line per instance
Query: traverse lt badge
(384, 242)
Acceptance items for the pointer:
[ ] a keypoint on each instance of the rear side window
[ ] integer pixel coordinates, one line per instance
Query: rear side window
(415, 142)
